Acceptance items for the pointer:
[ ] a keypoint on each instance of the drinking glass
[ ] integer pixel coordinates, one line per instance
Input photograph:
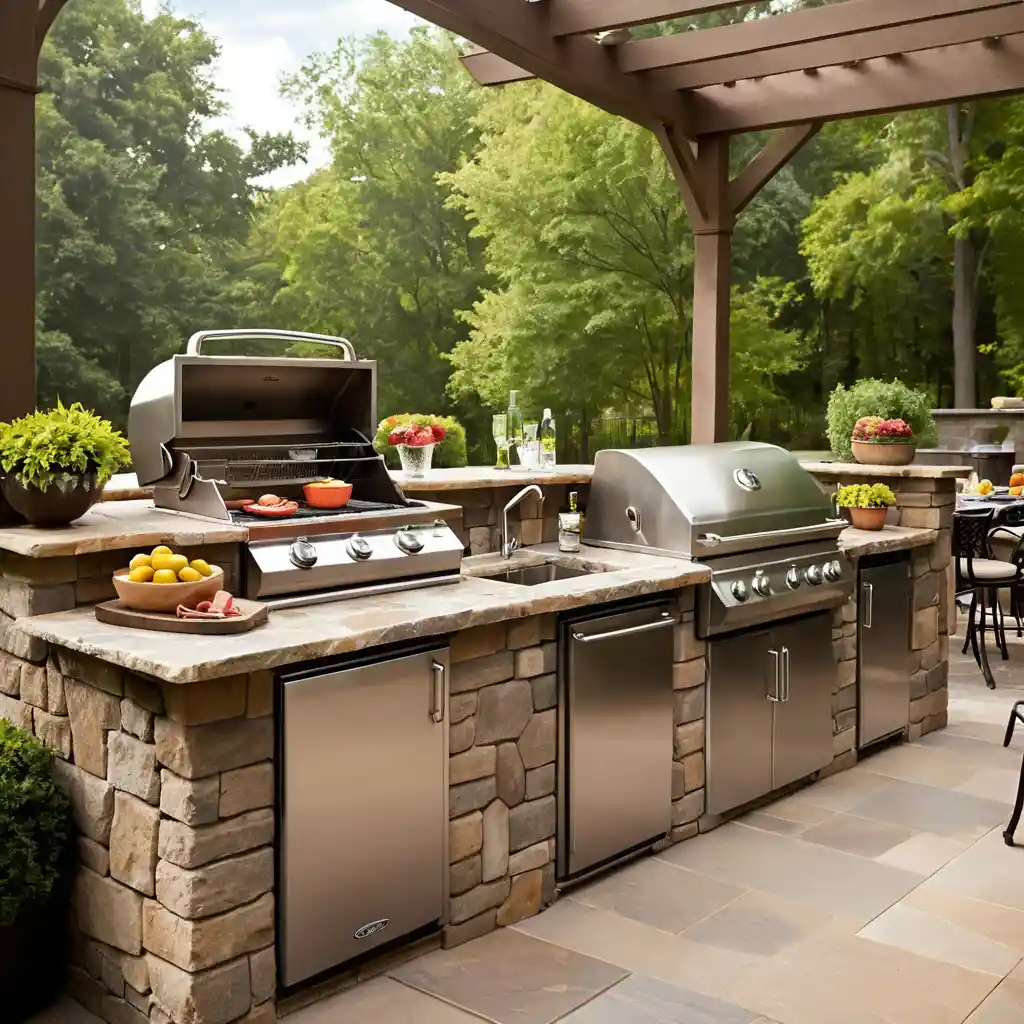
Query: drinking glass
(529, 451)
(499, 431)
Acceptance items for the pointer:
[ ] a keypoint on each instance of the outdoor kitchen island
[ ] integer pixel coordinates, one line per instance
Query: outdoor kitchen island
(169, 748)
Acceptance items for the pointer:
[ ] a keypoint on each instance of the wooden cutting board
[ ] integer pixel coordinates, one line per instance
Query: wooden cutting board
(116, 614)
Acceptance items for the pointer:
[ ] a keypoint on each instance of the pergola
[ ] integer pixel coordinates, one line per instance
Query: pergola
(788, 72)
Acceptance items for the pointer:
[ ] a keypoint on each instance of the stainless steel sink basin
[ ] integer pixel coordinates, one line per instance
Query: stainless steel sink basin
(534, 575)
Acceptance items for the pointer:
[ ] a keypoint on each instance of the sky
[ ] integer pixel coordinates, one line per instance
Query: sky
(263, 39)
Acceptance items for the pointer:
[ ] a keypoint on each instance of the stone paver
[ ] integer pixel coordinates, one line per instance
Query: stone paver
(880, 894)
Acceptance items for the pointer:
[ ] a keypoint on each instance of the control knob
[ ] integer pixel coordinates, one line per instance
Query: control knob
(408, 542)
(793, 578)
(740, 591)
(761, 584)
(302, 554)
(813, 576)
(833, 572)
(358, 549)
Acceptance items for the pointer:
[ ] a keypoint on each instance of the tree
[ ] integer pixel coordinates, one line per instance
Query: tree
(139, 203)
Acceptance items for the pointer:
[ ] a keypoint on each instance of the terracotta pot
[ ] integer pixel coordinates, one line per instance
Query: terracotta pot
(873, 453)
(64, 501)
(868, 518)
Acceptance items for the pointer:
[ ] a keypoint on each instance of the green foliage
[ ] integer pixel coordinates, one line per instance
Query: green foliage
(68, 440)
(450, 452)
(888, 400)
(865, 496)
(34, 823)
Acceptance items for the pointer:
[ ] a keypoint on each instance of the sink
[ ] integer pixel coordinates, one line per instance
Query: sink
(534, 575)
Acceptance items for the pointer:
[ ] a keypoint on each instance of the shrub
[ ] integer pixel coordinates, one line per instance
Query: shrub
(33, 822)
(69, 440)
(888, 400)
(450, 452)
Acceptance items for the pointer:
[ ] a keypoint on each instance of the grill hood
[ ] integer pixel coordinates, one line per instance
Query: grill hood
(703, 501)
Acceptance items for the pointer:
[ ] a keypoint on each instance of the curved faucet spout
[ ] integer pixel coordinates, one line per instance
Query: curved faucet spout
(509, 543)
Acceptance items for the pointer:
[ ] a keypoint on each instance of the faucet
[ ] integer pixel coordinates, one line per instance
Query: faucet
(509, 544)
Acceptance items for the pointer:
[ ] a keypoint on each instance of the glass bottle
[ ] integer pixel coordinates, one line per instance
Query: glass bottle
(569, 527)
(546, 436)
(514, 427)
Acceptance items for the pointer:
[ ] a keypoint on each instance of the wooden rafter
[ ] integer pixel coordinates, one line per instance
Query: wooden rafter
(929, 78)
(570, 17)
(519, 32)
(792, 30)
(964, 28)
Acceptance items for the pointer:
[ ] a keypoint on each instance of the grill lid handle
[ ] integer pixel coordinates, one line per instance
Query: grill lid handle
(195, 343)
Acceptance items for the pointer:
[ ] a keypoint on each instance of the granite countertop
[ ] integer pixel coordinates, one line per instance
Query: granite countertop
(891, 472)
(469, 478)
(303, 634)
(858, 543)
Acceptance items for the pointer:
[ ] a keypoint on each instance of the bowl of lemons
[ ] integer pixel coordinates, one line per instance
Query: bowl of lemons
(163, 579)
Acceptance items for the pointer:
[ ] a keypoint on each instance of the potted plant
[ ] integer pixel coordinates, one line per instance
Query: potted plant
(886, 400)
(35, 874)
(868, 504)
(415, 446)
(880, 442)
(56, 463)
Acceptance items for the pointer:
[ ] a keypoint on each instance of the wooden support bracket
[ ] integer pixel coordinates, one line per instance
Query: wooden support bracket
(777, 152)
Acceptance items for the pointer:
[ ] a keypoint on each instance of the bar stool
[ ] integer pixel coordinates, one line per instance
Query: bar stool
(1016, 715)
(982, 576)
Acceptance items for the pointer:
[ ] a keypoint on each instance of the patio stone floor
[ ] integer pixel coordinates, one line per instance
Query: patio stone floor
(882, 895)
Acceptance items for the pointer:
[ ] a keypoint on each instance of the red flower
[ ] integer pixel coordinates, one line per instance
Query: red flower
(895, 429)
(438, 432)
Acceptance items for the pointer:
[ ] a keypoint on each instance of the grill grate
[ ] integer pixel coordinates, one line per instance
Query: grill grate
(354, 507)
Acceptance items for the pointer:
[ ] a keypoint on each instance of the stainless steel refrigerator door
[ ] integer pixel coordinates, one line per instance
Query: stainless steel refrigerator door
(883, 643)
(619, 762)
(364, 810)
(802, 740)
(742, 688)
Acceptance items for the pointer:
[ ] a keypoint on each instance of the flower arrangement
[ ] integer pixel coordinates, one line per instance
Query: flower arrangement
(865, 496)
(449, 453)
(416, 436)
(875, 430)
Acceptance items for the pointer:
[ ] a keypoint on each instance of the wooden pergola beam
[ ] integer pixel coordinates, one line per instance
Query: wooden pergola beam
(574, 17)
(777, 152)
(520, 33)
(792, 29)
(964, 28)
(930, 78)
(490, 69)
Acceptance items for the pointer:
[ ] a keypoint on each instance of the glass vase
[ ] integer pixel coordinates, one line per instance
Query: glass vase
(416, 459)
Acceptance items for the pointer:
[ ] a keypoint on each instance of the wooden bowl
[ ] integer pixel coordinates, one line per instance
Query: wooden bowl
(165, 597)
(334, 496)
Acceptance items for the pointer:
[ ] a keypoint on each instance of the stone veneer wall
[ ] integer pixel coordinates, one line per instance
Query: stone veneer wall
(530, 522)
(172, 793)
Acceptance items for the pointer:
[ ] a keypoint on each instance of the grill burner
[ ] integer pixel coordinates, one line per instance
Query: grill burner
(354, 507)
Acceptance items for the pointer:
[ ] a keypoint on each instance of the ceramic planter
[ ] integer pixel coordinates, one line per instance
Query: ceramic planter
(874, 453)
(868, 518)
(68, 498)
(416, 459)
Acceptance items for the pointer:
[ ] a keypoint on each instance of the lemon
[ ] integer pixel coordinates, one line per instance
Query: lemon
(140, 560)
(141, 574)
(201, 566)
(165, 576)
(173, 562)
(189, 575)
(163, 549)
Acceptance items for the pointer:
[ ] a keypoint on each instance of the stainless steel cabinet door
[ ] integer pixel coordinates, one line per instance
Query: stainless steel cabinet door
(620, 734)
(803, 718)
(884, 651)
(364, 822)
(741, 683)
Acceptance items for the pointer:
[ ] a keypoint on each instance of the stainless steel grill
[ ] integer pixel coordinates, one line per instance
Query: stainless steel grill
(211, 431)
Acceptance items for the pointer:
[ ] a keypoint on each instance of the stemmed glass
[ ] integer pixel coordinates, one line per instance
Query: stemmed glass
(499, 431)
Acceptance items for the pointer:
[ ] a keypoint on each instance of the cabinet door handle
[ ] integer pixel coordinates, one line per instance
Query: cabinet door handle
(437, 693)
(785, 675)
(869, 604)
(646, 627)
(776, 698)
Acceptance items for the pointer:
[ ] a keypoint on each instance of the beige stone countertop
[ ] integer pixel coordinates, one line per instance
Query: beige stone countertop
(470, 478)
(858, 543)
(887, 472)
(117, 524)
(302, 634)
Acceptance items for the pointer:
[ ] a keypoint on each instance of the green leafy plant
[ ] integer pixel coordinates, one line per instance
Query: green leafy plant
(44, 447)
(34, 824)
(865, 496)
(887, 400)
(450, 452)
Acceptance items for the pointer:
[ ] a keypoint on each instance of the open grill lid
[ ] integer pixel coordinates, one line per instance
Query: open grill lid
(702, 501)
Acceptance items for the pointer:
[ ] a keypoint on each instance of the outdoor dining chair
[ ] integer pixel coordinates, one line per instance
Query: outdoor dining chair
(983, 577)
(1016, 715)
